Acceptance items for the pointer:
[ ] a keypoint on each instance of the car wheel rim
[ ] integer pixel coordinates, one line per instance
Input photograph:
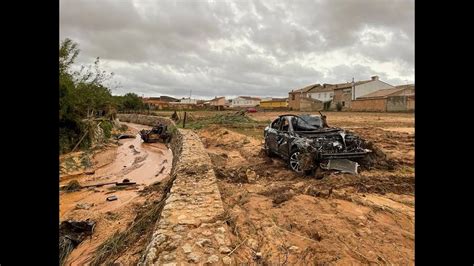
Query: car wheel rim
(294, 162)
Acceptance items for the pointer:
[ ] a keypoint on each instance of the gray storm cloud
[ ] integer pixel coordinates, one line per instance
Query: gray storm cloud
(260, 48)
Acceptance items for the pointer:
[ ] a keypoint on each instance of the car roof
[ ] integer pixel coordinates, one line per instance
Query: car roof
(299, 115)
(288, 115)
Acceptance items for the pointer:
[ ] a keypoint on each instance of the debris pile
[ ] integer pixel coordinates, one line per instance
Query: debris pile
(71, 234)
(73, 185)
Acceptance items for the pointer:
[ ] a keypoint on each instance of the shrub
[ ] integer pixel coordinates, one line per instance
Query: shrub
(107, 128)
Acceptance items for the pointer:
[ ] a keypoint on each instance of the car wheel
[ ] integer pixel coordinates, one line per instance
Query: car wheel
(294, 162)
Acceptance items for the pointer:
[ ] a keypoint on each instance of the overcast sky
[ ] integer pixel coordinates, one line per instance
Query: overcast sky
(229, 48)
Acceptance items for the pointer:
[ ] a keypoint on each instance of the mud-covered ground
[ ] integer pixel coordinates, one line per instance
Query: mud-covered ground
(282, 217)
(144, 163)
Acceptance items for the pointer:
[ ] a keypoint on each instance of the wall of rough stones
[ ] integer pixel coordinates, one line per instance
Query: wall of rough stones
(191, 229)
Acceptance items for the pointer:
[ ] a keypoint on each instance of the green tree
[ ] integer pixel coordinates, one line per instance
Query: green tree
(132, 101)
(82, 95)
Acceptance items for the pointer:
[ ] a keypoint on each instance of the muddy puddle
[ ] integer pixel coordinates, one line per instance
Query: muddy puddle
(143, 163)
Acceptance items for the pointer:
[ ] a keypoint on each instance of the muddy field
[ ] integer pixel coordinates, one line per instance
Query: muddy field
(275, 215)
(282, 217)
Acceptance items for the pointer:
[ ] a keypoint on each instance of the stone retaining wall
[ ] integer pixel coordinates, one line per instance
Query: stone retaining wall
(148, 120)
(191, 229)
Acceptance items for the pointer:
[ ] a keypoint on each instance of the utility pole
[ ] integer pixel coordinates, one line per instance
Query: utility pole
(184, 120)
(353, 89)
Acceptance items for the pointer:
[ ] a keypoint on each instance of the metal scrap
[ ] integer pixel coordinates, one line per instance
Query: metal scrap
(125, 182)
(157, 133)
(112, 198)
(125, 136)
(343, 165)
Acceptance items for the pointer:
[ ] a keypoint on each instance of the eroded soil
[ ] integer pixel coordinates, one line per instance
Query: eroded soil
(275, 215)
(282, 217)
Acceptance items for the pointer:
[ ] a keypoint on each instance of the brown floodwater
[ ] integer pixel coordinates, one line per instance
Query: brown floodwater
(143, 163)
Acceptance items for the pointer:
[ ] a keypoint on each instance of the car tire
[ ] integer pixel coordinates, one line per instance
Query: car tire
(293, 164)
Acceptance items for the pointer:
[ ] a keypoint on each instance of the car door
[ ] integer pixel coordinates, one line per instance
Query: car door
(283, 137)
(271, 137)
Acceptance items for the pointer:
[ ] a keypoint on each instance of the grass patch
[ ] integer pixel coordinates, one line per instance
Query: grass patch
(231, 120)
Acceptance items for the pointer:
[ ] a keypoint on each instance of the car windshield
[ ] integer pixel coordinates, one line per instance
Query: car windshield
(313, 120)
(300, 124)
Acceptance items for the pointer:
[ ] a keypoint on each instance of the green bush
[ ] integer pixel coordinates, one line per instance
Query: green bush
(107, 128)
(172, 129)
(339, 106)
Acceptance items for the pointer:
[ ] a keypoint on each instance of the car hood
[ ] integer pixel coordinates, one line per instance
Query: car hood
(322, 131)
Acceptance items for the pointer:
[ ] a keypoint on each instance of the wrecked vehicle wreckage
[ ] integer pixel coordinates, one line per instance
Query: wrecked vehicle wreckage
(308, 143)
(157, 133)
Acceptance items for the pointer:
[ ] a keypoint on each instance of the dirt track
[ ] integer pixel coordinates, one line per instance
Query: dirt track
(345, 219)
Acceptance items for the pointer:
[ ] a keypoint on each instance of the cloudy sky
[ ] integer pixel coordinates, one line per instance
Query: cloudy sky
(240, 47)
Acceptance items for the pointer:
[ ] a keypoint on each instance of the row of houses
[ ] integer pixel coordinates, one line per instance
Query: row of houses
(218, 103)
(248, 101)
(365, 95)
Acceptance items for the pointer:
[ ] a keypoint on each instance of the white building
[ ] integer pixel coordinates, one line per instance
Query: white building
(344, 93)
(245, 101)
(188, 101)
(324, 93)
(372, 85)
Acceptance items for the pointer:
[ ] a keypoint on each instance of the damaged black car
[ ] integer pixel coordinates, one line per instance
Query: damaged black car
(308, 143)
